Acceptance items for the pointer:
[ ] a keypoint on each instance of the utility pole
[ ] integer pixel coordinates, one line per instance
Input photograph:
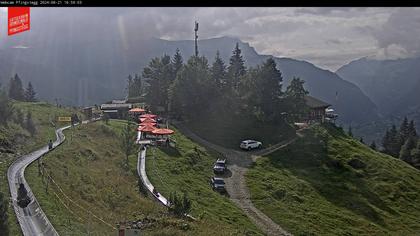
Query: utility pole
(196, 38)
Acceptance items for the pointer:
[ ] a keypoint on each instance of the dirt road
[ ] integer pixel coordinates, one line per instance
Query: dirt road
(238, 164)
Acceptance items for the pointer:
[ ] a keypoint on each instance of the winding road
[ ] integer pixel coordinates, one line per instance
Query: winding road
(239, 162)
(32, 219)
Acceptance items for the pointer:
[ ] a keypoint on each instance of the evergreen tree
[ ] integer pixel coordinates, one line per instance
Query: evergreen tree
(350, 132)
(159, 76)
(218, 70)
(177, 63)
(373, 145)
(4, 227)
(191, 90)
(128, 142)
(361, 140)
(30, 125)
(30, 94)
(393, 142)
(409, 145)
(137, 86)
(236, 67)
(179, 205)
(386, 140)
(412, 129)
(16, 89)
(129, 88)
(265, 90)
(6, 109)
(295, 98)
(404, 131)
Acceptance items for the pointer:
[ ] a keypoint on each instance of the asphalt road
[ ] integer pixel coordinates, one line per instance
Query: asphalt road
(32, 219)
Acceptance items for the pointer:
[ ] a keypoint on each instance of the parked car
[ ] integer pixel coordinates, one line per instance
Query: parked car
(250, 144)
(218, 184)
(220, 166)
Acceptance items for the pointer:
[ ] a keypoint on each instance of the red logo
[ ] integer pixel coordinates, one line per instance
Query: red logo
(19, 19)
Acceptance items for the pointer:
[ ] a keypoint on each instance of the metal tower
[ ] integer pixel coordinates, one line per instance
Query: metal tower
(196, 38)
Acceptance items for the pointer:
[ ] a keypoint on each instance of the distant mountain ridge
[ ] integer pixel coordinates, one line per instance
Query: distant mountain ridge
(393, 85)
(95, 71)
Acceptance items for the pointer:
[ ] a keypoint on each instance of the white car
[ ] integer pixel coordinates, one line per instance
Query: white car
(250, 144)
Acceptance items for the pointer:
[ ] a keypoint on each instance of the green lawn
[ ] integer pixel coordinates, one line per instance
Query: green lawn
(185, 170)
(311, 189)
(88, 168)
(20, 141)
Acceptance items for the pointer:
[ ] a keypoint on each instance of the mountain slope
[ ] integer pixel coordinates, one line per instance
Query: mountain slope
(392, 84)
(84, 57)
(328, 183)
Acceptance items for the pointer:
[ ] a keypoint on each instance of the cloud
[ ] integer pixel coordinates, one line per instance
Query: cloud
(399, 36)
(327, 37)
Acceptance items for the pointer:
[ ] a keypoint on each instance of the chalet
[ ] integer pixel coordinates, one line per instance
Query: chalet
(319, 111)
(117, 109)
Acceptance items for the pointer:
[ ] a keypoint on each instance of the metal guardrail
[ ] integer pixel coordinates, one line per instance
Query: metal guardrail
(32, 219)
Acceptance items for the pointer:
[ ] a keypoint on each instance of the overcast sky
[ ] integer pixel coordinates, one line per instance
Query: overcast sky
(327, 37)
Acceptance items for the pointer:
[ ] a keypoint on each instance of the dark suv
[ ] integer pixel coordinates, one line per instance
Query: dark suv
(218, 184)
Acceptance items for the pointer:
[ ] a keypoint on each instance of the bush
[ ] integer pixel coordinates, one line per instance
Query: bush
(179, 205)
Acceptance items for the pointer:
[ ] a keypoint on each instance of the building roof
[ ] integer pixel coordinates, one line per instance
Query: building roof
(315, 102)
(115, 106)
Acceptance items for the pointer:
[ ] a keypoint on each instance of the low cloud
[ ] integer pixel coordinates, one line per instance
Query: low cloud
(327, 37)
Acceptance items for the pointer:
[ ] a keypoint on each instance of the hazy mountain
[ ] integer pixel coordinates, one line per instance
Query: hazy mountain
(81, 64)
(393, 85)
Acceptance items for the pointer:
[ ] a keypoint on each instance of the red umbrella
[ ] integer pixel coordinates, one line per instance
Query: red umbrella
(136, 110)
(146, 128)
(147, 120)
(162, 131)
(144, 124)
(148, 116)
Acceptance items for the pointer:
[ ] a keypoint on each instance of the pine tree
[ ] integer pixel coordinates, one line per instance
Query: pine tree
(30, 94)
(373, 145)
(177, 63)
(6, 109)
(130, 89)
(218, 70)
(394, 142)
(295, 98)
(29, 125)
(350, 132)
(236, 67)
(159, 76)
(404, 131)
(128, 142)
(16, 89)
(409, 145)
(412, 129)
(4, 227)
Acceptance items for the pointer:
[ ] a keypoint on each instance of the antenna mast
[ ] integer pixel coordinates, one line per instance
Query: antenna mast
(196, 38)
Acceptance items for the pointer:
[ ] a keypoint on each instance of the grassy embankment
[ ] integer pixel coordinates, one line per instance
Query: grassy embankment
(16, 141)
(328, 183)
(228, 130)
(185, 170)
(88, 168)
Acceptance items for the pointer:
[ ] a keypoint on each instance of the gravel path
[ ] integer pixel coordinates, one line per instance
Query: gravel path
(238, 164)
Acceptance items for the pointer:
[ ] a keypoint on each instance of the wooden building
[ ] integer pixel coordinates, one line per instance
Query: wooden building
(117, 110)
(317, 109)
